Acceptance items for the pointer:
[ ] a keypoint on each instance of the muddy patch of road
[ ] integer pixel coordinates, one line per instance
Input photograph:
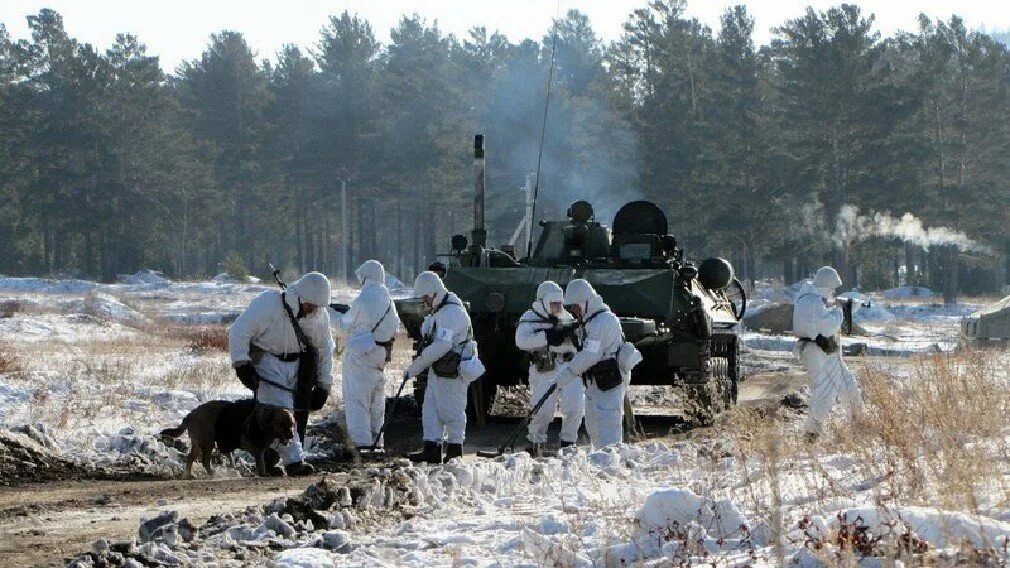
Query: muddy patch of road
(42, 524)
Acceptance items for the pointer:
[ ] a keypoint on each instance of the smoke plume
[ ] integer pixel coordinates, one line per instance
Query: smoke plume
(853, 227)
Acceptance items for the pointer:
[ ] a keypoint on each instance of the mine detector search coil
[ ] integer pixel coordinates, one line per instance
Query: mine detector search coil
(510, 441)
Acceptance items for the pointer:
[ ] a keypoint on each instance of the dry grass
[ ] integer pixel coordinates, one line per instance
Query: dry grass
(935, 434)
(205, 339)
(203, 375)
(940, 432)
(11, 362)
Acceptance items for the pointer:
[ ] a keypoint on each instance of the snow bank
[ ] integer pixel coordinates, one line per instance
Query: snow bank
(145, 277)
(872, 314)
(938, 527)
(854, 295)
(668, 511)
(394, 283)
(107, 307)
(305, 558)
(46, 286)
(906, 292)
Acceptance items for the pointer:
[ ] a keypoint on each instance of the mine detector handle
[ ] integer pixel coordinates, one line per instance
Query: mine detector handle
(510, 441)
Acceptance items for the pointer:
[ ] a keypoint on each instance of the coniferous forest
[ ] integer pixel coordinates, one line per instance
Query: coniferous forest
(780, 157)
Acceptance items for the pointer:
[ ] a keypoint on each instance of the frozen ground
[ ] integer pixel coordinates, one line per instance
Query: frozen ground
(97, 370)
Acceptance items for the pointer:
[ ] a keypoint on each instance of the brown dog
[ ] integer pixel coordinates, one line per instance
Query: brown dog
(228, 426)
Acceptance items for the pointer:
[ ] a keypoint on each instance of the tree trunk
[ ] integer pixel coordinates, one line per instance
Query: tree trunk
(950, 280)
(910, 265)
(788, 274)
(417, 241)
(299, 231)
(399, 240)
(362, 237)
(89, 254)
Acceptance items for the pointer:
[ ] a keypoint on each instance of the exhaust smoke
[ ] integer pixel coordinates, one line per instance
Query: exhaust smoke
(853, 227)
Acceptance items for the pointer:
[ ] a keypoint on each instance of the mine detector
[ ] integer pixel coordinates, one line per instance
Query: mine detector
(683, 317)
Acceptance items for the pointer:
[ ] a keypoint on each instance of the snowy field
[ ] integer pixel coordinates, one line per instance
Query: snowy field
(95, 371)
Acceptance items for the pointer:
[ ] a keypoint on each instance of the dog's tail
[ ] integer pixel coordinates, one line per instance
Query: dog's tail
(178, 430)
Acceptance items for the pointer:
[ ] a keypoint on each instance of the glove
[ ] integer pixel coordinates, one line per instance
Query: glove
(556, 335)
(318, 397)
(563, 377)
(340, 308)
(414, 369)
(248, 375)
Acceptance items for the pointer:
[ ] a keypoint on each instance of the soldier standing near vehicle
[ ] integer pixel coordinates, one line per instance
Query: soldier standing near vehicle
(449, 356)
(545, 332)
(603, 362)
(282, 349)
(370, 323)
(818, 347)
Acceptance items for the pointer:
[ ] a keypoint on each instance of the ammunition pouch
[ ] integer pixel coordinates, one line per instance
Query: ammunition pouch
(447, 366)
(828, 345)
(542, 360)
(606, 374)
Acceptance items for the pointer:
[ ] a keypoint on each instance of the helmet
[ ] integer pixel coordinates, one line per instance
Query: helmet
(428, 283)
(371, 270)
(313, 288)
(549, 292)
(827, 278)
(580, 292)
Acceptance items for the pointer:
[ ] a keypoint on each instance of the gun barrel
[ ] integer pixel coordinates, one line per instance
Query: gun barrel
(479, 229)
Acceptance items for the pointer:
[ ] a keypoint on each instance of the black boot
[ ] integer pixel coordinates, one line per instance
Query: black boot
(534, 450)
(453, 451)
(431, 453)
(299, 469)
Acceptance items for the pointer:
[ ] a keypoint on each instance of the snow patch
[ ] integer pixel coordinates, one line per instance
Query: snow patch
(906, 292)
(305, 558)
(45, 285)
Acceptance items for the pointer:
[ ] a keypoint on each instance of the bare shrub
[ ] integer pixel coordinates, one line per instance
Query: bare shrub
(938, 432)
(10, 362)
(206, 339)
(11, 307)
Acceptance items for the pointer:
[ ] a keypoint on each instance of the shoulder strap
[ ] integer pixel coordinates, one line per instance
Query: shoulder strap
(302, 339)
(383, 318)
(585, 323)
(592, 317)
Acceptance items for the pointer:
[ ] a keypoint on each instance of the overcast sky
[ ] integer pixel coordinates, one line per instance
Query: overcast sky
(178, 30)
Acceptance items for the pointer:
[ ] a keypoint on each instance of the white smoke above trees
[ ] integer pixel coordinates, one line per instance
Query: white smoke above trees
(852, 227)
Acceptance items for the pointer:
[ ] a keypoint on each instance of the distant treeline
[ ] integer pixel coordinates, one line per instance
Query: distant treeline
(108, 164)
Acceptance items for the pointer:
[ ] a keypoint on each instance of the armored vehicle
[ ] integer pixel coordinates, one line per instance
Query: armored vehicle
(683, 317)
